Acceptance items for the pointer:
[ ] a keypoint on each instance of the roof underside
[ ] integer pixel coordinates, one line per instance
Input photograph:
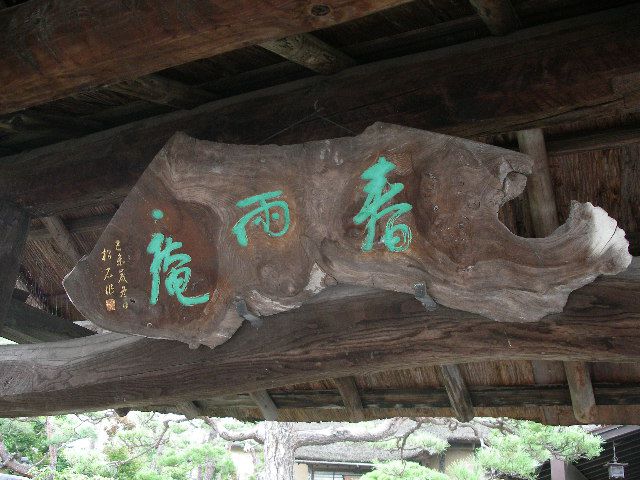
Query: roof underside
(609, 178)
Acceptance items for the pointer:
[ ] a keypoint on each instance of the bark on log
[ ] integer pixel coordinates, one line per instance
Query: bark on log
(391, 208)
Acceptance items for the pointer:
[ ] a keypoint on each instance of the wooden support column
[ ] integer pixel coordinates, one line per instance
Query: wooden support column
(498, 15)
(265, 404)
(458, 392)
(189, 409)
(311, 52)
(581, 388)
(544, 216)
(14, 226)
(350, 397)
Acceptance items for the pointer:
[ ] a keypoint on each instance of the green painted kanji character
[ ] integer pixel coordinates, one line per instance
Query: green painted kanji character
(263, 208)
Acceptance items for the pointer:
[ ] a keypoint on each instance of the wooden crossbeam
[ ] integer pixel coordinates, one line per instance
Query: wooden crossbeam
(498, 15)
(265, 404)
(51, 50)
(94, 223)
(458, 392)
(350, 397)
(26, 324)
(386, 331)
(311, 52)
(62, 238)
(164, 91)
(14, 225)
(432, 92)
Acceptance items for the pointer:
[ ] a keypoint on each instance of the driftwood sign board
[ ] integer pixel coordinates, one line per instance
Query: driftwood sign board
(210, 227)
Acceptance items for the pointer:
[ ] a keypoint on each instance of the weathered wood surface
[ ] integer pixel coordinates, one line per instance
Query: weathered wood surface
(582, 395)
(325, 220)
(350, 397)
(499, 16)
(487, 86)
(54, 48)
(14, 225)
(381, 331)
(458, 393)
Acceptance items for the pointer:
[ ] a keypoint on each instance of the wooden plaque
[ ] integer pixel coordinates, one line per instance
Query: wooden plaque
(209, 225)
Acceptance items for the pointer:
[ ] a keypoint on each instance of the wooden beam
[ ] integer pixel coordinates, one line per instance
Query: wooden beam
(14, 225)
(189, 409)
(582, 396)
(265, 404)
(62, 238)
(605, 139)
(458, 393)
(433, 92)
(498, 15)
(311, 52)
(94, 223)
(385, 331)
(26, 324)
(350, 397)
(54, 49)
(164, 91)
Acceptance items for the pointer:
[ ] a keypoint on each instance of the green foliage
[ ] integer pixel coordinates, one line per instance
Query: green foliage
(401, 470)
(520, 453)
(466, 470)
(421, 440)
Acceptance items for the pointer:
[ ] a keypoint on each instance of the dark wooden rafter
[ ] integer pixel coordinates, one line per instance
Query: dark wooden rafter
(544, 217)
(350, 397)
(386, 331)
(39, 40)
(189, 409)
(264, 402)
(94, 223)
(458, 392)
(432, 93)
(164, 91)
(499, 16)
(62, 238)
(14, 225)
(309, 51)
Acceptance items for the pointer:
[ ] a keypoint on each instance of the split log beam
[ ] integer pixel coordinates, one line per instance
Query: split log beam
(350, 397)
(51, 49)
(498, 15)
(544, 217)
(311, 52)
(14, 225)
(433, 93)
(26, 324)
(581, 388)
(458, 392)
(265, 404)
(386, 331)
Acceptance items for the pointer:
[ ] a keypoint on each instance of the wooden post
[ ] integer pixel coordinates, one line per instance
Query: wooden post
(544, 216)
(350, 397)
(458, 392)
(14, 226)
(265, 404)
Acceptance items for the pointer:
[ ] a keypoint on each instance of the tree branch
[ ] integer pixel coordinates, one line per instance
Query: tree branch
(8, 460)
(384, 430)
(256, 433)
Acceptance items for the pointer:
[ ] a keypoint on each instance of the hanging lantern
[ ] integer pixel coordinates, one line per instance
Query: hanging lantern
(616, 469)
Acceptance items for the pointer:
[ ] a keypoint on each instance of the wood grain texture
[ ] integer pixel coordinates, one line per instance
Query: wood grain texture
(62, 238)
(14, 226)
(385, 331)
(311, 52)
(458, 393)
(486, 86)
(456, 244)
(54, 48)
(350, 397)
(264, 402)
(582, 396)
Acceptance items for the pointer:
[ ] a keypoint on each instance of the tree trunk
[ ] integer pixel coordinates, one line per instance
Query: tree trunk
(53, 448)
(279, 450)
